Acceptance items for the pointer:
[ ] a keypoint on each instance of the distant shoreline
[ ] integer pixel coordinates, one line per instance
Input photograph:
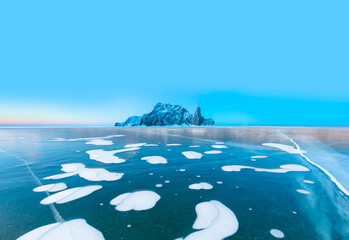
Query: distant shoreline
(113, 127)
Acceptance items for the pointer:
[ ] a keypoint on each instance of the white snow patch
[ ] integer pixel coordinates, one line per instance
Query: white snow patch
(140, 200)
(219, 182)
(100, 142)
(158, 185)
(103, 156)
(70, 194)
(192, 155)
(167, 181)
(202, 185)
(151, 145)
(125, 150)
(135, 145)
(194, 146)
(308, 181)
(219, 146)
(283, 168)
(155, 159)
(219, 142)
(277, 233)
(91, 174)
(55, 187)
(302, 191)
(213, 152)
(71, 230)
(284, 147)
(173, 144)
(259, 156)
(216, 221)
(182, 170)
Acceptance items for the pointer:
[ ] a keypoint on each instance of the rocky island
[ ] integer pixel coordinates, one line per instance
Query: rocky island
(165, 114)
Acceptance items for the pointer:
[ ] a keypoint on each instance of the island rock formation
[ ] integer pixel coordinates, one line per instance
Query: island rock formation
(165, 114)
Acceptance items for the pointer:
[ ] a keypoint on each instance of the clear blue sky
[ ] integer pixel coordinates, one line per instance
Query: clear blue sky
(244, 62)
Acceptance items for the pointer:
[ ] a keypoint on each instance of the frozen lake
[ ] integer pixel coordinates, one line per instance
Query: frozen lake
(174, 183)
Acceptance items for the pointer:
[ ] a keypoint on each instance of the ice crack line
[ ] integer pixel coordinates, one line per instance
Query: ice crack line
(54, 210)
(333, 179)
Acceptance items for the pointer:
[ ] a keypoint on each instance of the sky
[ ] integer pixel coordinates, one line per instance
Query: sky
(244, 63)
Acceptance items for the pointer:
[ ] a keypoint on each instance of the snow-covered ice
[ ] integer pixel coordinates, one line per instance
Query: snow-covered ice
(284, 147)
(216, 221)
(192, 155)
(140, 200)
(55, 187)
(302, 191)
(213, 152)
(135, 145)
(219, 146)
(91, 174)
(70, 194)
(77, 229)
(99, 142)
(308, 181)
(283, 168)
(199, 186)
(155, 159)
(277, 233)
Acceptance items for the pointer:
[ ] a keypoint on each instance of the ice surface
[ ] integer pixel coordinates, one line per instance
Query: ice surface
(287, 148)
(216, 221)
(140, 200)
(61, 175)
(55, 187)
(328, 158)
(104, 156)
(206, 213)
(302, 191)
(85, 139)
(213, 152)
(283, 168)
(199, 186)
(126, 150)
(91, 174)
(135, 145)
(77, 229)
(192, 155)
(259, 156)
(70, 194)
(219, 146)
(173, 144)
(155, 159)
(100, 142)
(277, 233)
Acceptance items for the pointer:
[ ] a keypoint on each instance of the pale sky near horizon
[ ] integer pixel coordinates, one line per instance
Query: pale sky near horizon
(243, 62)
